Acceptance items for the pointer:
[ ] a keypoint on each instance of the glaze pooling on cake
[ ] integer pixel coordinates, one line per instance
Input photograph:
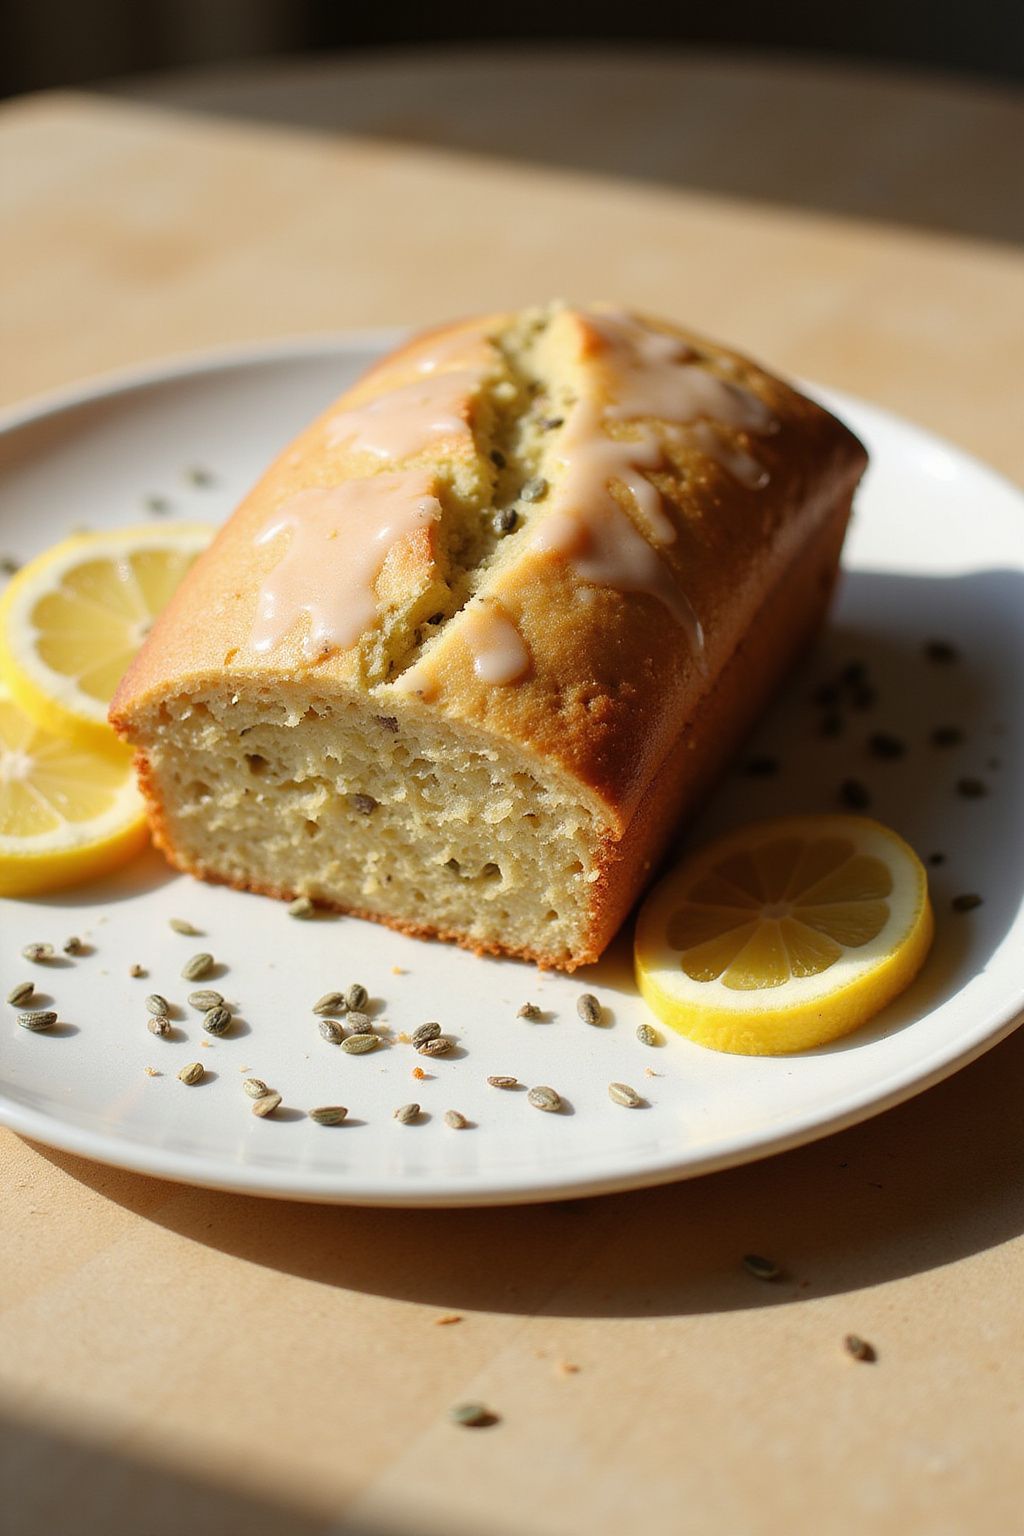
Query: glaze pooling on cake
(499, 652)
(407, 422)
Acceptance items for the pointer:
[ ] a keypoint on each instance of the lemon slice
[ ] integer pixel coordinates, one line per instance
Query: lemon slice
(784, 935)
(68, 812)
(72, 619)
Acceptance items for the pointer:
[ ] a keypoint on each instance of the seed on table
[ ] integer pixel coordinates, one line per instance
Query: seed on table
(331, 1002)
(359, 1045)
(205, 999)
(405, 1114)
(588, 1008)
(193, 1073)
(854, 794)
(647, 1034)
(181, 925)
(217, 1021)
(37, 953)
(74, 945)
(38, 1020)
(359, 1023)
(357, 996)
(136, 970)
(453, 1118)
(761, 1269)
(622, 1093)
(941, 651)
(971, 789)
(20, 994)
(302, 906)
(329, 1114)
(255, 1087)
(543, 1097)
(966, 902)
(440, 1045)
(501, 1081)
(863, 698)
(158, 1006)
(472, 1415)
(426, 1032)
(882, 744)
(859, 1348)
(936, 858)
(854, 674)
(946, 736)
(528, 1011)
(159, 1024)
(265, 1104)
(199, 966)
(331, 1030)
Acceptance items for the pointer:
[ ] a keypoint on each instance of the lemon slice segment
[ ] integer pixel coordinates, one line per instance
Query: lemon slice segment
(72, 619)
(68, 812)
(784, 935)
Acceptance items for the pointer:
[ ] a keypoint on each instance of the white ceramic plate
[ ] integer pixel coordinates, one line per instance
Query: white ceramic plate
(936, 550)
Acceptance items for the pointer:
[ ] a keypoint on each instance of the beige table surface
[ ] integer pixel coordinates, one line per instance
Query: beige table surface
(183, 1362)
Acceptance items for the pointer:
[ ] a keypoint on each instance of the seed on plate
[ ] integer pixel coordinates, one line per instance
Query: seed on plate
(971, 789)
(156, 504)
(647, 1034)
(357, 996)
(200, 477)
(622, 1093)
(535, 489)
(37, 953)
(882, 744)
(9, 566)
(941, 651)
(966, 902)
(457, 1121)
(854, 794)
(158, 1006)
(331, 1002)
(946, 736)
(545, 1098)
(501, 1080)
(217, 1021)
(265, 1104)
(359, 1045)
(760, 1268)
(199, 966)
(205, 999)
(74, 945)
(528, 1011)
(425, 1032)
(859, 1348)
(359, 1023)
(18, 996)
(183, 926)
(588, 1008)
(193, 1073)
(440, 1045)
(255, 1087)
(405, 1114)
(472, 1415)
(331, 1031)
(329, 1114)
(136, 970)
(38, 1020)
(302, 906)
(159, 1024)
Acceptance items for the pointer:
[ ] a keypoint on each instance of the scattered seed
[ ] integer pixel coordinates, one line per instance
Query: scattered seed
(359, 1045)
(199, 966)
(38, 1020)
(854, 794)
(472, 1415)
(9, 566)
(859, 1348)
(830, 725)
(504, 521)
(455, 1120)
(331, 1002)
(946, 736)
(75, 946)
(760, 1268)
(136, 970)
(158, 1006)
(440, 1045)
(198, 476)
(255, 1087)
(622, 1093)
(159, 1024)
(360, 1023)
(331, 1030)
(535, 489)
(425, 1032)
(205, 999)
(302, 906)
(497, 458)
(545, 1098)
(588, 1008)
(501, 1081)
(156, 504)
(405, 1114)
(20, 994)
(936, 858)
(863, 698)
(193, 1073)
(37, 953)
(647, 1034)
(854, 674)
(329, 1114)
(357, 996)
(528, 1011)
(967, 902)
(761, 767)
(971, 789)
(266, 1104)
(881, 744)
(181, 925)
(825, 695)
(941, 651)
(217, 1021)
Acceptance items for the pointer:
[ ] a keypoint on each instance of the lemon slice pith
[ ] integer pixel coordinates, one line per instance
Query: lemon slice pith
(72, 619)
(68, 812)
(784, 935)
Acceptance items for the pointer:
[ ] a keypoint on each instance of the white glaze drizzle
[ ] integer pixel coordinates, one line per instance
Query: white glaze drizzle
(407, 421)
(338, 540)
(498, 649)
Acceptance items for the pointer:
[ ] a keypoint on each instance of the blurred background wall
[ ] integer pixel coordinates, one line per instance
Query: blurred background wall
(46, 43)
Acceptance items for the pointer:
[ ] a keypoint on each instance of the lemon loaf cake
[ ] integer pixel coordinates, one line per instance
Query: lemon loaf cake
(479, 637)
